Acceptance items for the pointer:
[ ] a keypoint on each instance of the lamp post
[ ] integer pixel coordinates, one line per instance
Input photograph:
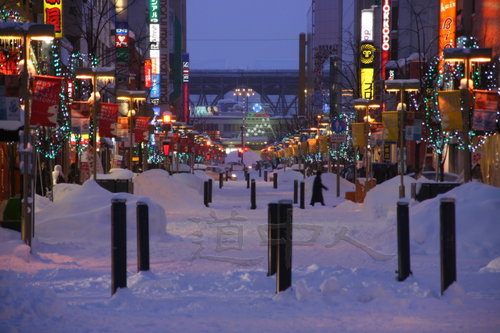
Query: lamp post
(365, 105)
(95, 74)
(27, 32)
(131, 96)
(467, 56)
(401, 86)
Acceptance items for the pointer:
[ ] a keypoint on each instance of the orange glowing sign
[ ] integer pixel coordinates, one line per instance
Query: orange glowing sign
(447, 24)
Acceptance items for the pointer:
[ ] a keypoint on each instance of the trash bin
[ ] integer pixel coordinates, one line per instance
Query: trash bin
(11, 218)
(116, 185)
(431, 190)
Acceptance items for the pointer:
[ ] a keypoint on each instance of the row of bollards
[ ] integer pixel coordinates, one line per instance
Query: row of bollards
(119, 241)
(279, 235)
(447, 242)
(296, 193)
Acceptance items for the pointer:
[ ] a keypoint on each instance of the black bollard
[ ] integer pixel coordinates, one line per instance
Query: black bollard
(272, 237)
(227, 175)
(295, 191)
(253, 204)
(265, 175)
(403, 230)
(118, 244)
(210, 187)
(448, 246)
(142, 236)
(275, 180)
(247, 178)
(284, 255)
(205, 193)
(302, 194)
(221, 179)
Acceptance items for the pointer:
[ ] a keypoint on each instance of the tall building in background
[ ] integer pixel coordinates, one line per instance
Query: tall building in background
(324, 42)
(177, 42)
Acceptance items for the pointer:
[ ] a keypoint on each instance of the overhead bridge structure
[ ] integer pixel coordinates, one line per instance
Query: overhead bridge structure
(278, 88)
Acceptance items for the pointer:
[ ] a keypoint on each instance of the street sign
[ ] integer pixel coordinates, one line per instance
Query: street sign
(339, 125)
(338, 138)
(413, 133)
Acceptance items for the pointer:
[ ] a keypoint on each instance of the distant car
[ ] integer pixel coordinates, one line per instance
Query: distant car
(199, 166)
(214, 172)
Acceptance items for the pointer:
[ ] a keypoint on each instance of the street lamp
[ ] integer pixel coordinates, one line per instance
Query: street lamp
(95, 74)
(131, 96)
(401, 86)
(27, 32)
(365, 105)
(458, 54)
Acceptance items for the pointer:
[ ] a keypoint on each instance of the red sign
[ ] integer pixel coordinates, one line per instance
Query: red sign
(46, 90)
(80, 117)
(121, 41)
(447, 24)
(108, 118)
(386, 35)
(148, 73)
(166, 150)
(141, 129)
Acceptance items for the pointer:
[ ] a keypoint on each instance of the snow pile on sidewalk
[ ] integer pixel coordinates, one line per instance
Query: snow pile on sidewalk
(381, 201)
(171, 193)
(477, 219)
(83, 215)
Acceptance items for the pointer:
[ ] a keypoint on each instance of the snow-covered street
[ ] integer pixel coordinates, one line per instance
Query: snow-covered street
(209, 265)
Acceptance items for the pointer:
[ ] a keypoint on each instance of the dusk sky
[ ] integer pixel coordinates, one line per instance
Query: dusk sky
(239, 34)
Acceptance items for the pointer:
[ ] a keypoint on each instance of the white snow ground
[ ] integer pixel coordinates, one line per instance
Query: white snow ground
(208, 265)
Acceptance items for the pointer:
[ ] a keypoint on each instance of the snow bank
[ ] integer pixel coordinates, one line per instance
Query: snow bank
(193, 181)
(168, 191)
(84, 215)
(477, 211)
(60, 191)
(381, 201)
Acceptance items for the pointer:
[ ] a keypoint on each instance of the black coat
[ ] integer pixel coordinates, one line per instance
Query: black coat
(317, 190)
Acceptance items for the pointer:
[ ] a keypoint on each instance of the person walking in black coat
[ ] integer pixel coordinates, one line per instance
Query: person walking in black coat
(317, 190)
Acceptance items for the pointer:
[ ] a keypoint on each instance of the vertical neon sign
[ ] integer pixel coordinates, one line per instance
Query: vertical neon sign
(447, 24)
(185, 86)
(386, 35)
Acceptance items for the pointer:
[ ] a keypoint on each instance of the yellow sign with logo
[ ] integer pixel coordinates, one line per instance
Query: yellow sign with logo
(451, 115)
(390, 122)
(359, 134)
(53, 14)
(367, 83)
